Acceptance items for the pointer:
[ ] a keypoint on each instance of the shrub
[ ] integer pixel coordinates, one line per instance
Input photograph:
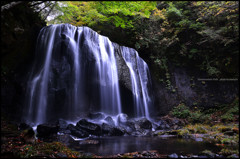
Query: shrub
(227, 152)
(183, 132)
(195, 117)
(180, 111)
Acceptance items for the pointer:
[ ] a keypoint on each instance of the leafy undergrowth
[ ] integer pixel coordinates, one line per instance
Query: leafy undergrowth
(221, 134)
(16, 143)
(224, 113)
(219, 125)
(225, 136)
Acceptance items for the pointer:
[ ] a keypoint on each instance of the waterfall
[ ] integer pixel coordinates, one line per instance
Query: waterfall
(76, 71)
(139, 74)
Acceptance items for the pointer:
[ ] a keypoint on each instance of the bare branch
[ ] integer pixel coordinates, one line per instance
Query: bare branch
(46, 5)
(50, 11)
(37, 3)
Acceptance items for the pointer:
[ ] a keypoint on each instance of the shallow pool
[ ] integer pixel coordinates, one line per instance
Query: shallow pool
(124, 144)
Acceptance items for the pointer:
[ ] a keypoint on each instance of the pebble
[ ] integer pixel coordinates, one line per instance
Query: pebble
(61, 155)
(233, 156)
(202, 157)
(181, 156)
(198, 139)
(174, 155)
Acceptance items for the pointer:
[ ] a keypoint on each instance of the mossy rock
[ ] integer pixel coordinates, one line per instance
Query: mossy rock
(228, 152)
(183, 132)
(224, 129)
(208, 153)
(236, 130)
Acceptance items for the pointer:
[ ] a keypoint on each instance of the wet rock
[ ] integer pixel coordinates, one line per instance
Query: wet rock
(181, 156)
(71, 127)
(142, 132)
(77, 132)
(96, 116)
(175, 127)
(229, 133)
(88, 142)
(106, 128)
(154, 125)
(208, 154)
(167, 136)
(157, 132)
(28, 136)
(118, 155)
(130, 126)
(144, 123)
(117, 132)
(202, 156)
(89, 127)
(176, 121)
(111, 130)
(173, 132)
(65, 131)
(44, 130)
(224, 129)
(109, 120)
(62, 124)
(136, 133)
(236, 130)
(174, 155)
(163, 126)
(122, 118)
(61, 155)
(194, 156)
(65, 138)
(233, 156)
(219, 156)
(145, 153)
(24, 126)
(198, 139)
(123, 70)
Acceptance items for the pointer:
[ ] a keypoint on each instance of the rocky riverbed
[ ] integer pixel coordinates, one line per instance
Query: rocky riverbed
(53, 139)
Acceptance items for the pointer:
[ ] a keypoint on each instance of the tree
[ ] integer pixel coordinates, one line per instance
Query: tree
(118, 13)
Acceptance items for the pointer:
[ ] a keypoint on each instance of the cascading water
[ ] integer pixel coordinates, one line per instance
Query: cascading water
(75, 71)
(139, 78)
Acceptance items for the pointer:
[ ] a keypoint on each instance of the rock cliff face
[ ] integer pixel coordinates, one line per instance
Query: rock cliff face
(194, 88)
(19, 30)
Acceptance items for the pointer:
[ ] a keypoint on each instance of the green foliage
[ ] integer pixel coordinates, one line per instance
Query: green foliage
(180, 111)
(230, 111)
(173, 12)
(118, 13)
(224, 113)
(48, 149)
(227, 152)
(196, 26)
(200, 130)
(227, 117)
(212, 71)
(184, 23)
(183, 132)
(195, 117)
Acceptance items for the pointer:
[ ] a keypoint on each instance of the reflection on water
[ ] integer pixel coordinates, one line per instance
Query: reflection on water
(118, 145)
